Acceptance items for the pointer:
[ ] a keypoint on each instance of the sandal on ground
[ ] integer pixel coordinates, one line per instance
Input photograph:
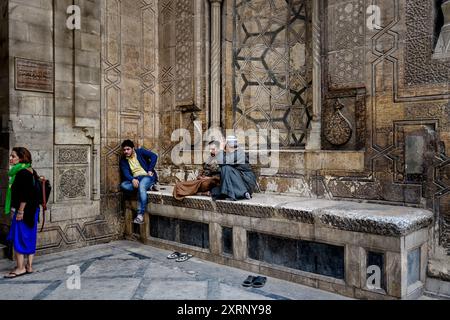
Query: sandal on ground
(174, 255)
(184, 257)
(13, 275)
(248, 282)
(259, 282)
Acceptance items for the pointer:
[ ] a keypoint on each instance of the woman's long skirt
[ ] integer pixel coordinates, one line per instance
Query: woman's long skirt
(22, 236)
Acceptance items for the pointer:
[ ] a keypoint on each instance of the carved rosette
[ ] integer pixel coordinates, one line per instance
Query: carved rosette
(338, 129)
(72, 184)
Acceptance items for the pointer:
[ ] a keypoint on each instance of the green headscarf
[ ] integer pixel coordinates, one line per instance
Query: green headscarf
(12, 176)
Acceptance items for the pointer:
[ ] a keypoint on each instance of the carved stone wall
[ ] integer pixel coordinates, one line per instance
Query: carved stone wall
(129, 86)
(407, 98)
(153, 80)
(4, 105)
(183, 38)
(272, 68)
(61, 126)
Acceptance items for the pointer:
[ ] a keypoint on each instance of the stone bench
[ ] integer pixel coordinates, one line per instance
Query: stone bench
(338, 246)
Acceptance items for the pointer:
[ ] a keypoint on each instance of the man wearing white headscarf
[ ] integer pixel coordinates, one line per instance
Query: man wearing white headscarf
(237, 180)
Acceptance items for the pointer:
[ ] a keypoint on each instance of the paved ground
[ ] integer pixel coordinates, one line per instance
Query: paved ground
(131, 271)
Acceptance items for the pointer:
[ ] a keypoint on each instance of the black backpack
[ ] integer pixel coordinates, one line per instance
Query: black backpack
(42, 188)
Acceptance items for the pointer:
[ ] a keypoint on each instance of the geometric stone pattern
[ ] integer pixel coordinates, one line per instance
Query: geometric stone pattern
(184, 69)
(346, 44)
(420, 69)
(272, 72)
(407, 91)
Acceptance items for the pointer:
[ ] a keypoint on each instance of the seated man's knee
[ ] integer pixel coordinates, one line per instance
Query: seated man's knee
(126, 186)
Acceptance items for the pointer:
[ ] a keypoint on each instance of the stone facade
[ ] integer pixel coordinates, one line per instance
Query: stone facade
(141, 69)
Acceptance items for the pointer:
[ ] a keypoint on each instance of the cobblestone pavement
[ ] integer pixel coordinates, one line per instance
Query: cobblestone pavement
(127, 270)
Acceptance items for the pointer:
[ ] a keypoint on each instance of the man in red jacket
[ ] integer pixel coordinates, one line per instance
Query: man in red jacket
(138, 172)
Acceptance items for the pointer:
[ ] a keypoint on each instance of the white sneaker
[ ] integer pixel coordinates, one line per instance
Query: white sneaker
(139, 219)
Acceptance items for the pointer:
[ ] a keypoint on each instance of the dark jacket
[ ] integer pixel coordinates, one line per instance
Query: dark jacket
(23, 191)
(146, 158)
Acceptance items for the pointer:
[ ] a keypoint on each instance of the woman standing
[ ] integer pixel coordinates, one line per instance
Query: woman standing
(22, 202)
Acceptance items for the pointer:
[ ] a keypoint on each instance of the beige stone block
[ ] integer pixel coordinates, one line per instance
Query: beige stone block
(28, 50)
(215, 238)
(32, 123)
(64, 72)
(28, 13)
(60, 213)
(90, 209)
(395, 277)
(38, 34)
(416, 239)
(90, 42)
(87, 92)
(275, 227)
(369, 241)
(353, 259)
(335, 160)
(18, 30)
(240, 243)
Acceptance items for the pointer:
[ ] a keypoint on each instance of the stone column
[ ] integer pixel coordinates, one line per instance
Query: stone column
(313, 141)
(216, 44)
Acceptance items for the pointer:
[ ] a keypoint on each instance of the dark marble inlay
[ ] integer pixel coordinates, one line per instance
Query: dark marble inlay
(227, 240)
(314, 257)
(413, 266)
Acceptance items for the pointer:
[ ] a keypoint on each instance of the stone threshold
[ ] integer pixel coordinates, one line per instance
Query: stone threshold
(378, 219)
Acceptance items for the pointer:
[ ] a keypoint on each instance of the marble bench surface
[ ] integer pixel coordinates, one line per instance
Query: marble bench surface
(371, 218)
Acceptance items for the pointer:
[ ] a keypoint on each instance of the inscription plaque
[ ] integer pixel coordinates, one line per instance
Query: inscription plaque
(32, 75)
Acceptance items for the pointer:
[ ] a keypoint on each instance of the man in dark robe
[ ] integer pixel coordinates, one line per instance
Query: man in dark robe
(237, 180)
(207, 179)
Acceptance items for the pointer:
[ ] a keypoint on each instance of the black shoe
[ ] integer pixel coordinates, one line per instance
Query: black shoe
(249, 281)
(259, 282)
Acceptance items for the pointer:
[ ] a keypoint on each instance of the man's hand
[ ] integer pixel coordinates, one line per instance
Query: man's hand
(151, 174)
(136, 183)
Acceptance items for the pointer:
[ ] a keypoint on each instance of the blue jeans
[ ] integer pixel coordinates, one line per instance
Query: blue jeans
(145, 184)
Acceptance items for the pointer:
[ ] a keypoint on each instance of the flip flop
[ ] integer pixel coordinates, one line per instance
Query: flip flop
(259, 282)
(174, 255)
(184, 257)
(248, 282)
(15, 275)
